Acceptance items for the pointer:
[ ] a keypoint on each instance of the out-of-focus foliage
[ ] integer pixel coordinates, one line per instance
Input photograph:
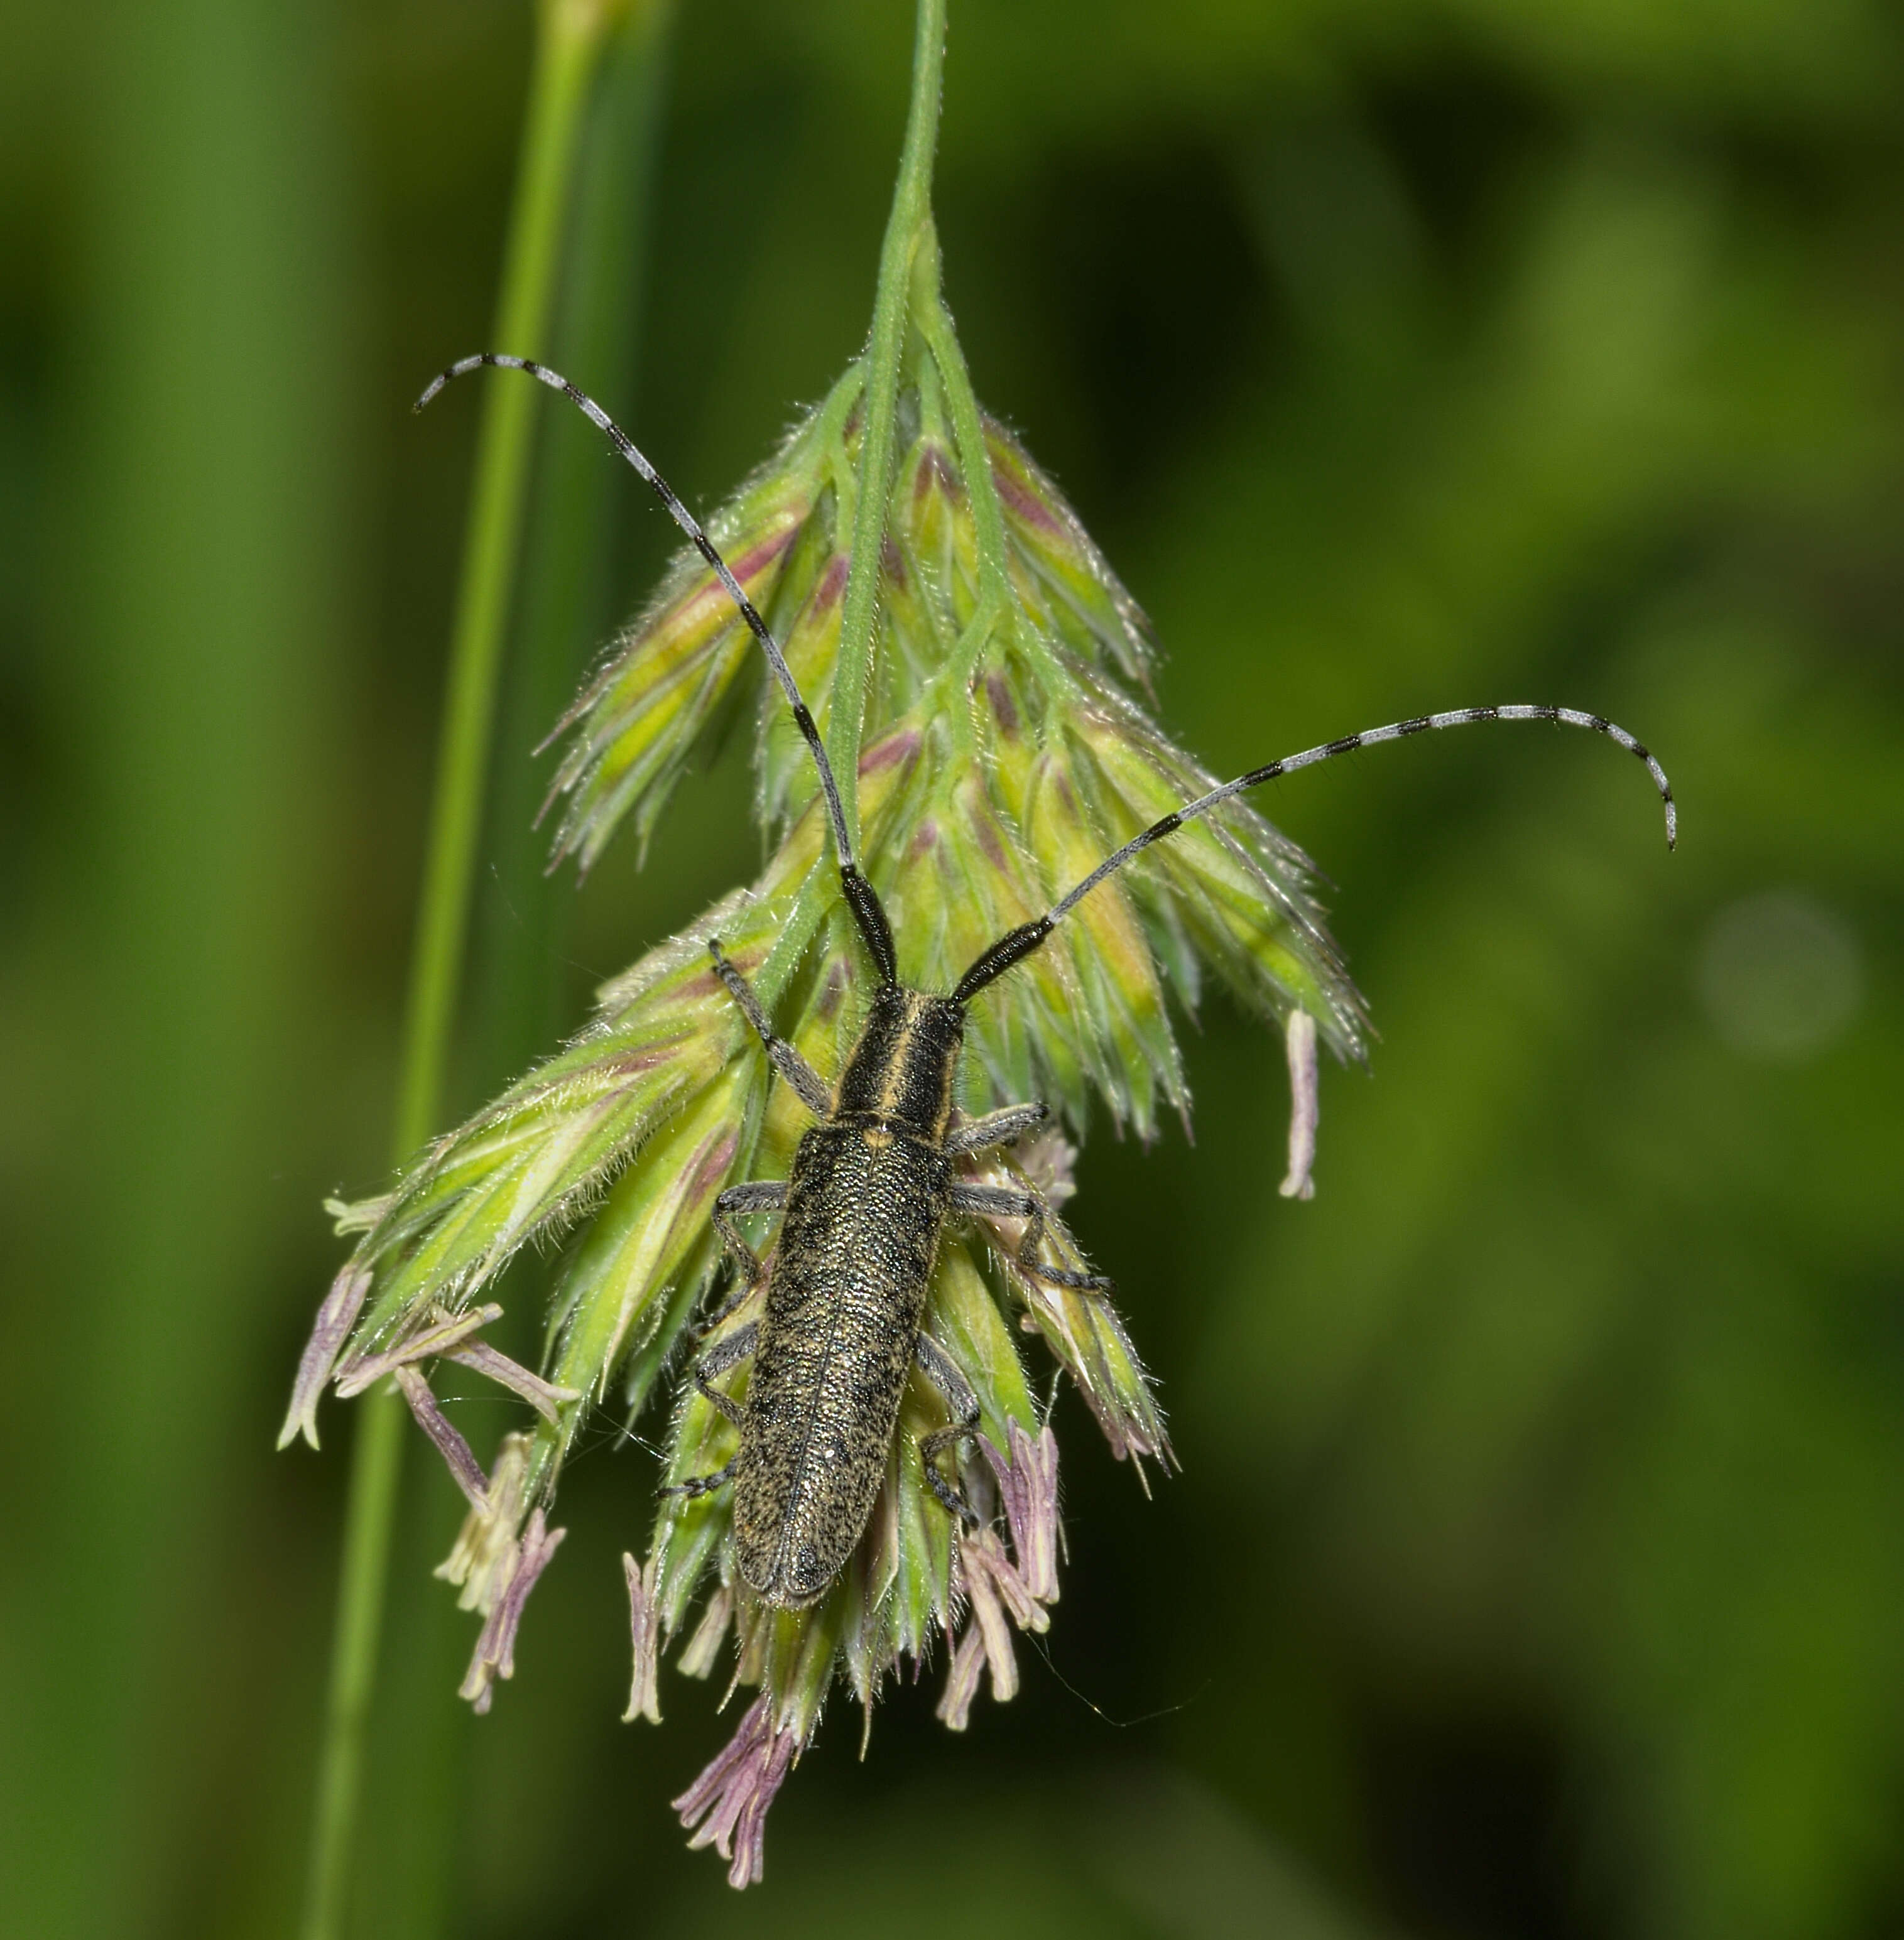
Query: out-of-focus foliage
(1538, 1563)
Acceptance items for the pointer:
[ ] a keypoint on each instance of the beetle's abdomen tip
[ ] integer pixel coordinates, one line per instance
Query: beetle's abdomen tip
(788, 1579)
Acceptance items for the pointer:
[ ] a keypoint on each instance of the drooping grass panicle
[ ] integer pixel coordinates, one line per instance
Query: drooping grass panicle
(1006, 751)
(1005, 748)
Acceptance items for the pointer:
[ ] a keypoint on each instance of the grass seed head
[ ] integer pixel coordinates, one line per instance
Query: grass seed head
(1006, 749)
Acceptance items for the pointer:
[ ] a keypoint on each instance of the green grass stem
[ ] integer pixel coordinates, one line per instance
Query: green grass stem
(911, 219)
(570, 587)
(569, 42)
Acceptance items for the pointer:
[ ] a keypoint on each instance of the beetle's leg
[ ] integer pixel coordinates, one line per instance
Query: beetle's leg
(995, 1128)
(760, 1195)
(722, 1355)
(939, 1368)
(1003, 1202)
(699, 1485)
(815, 1093)
(731, 1305)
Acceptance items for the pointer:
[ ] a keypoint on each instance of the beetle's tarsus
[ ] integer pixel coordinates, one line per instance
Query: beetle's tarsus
(700, 1485)
(1006, 1202)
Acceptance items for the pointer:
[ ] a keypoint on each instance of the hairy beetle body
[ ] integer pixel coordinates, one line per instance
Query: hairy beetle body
(843, 1306)
(866, 1198)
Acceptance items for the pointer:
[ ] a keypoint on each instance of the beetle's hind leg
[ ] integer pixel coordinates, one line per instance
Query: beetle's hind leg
(1005, 1202)
(722, 1355)
(815, 1093)
(939, 1368)
(700, 1485)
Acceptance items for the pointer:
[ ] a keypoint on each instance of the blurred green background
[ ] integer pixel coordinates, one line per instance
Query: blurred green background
(1537, 1566)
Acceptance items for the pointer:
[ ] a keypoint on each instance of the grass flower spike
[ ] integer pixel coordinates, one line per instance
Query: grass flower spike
(1006, 750)
(956, 762)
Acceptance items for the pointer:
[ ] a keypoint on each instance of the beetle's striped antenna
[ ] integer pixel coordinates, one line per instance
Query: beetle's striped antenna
(1019, 943)
(862, 899)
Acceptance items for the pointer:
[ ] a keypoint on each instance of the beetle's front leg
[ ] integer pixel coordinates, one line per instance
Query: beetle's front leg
(1004, 1202)
(995, 1128)
(814, 1091)
(945, 1373)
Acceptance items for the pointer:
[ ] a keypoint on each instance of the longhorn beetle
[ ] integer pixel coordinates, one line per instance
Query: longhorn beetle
(873, 1183)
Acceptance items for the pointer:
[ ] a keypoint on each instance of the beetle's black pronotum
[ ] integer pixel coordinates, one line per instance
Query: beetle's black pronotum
(873, 1181)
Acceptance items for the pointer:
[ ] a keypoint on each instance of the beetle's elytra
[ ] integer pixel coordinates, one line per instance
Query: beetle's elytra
(866, 1196)
(864, 1205)
(873, 1183)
